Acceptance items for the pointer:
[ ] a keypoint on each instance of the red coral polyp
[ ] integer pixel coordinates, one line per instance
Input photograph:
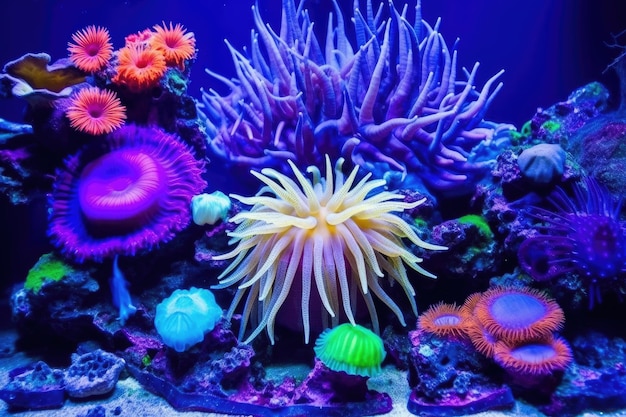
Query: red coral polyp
(123, 196)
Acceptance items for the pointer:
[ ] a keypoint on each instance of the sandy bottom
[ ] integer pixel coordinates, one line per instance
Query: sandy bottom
(131, 400)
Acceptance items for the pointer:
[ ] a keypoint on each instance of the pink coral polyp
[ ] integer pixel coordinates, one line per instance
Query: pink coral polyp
(127, 196)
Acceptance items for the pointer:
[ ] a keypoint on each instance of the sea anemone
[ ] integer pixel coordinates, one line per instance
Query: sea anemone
(176, 44)
(352, 349)
(583, 235)
(444, 320)
(540, 356)
(139, 67)
(337, 237)
(95, 111)
(92, 48)
(392, 101)
(123, 195)
(515, 314)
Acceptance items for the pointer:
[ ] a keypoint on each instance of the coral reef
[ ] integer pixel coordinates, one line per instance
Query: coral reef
(542, 163)
(449, 377)
(34, 79)
(122, 155)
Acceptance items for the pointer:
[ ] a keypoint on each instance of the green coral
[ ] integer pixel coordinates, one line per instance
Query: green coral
(551, 126)
(146, 361)
(352, 349)
(480, 223)
(47, 268)
(527, 129)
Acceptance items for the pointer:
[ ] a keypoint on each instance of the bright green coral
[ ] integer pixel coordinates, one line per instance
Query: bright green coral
(47, 268)
(551, 126)
(352, 349)
(480, 223)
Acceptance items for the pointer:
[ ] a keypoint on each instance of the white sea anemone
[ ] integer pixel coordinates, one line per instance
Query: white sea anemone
(336, 238)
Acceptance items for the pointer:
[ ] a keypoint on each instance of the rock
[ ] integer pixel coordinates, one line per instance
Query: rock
(93, 374)
(37, 387)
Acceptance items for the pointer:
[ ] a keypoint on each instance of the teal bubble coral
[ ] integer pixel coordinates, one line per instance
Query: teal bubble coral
(186, 316)
(352, 349)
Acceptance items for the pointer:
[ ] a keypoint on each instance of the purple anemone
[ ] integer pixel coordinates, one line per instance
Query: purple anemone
(391, 101)
(582, 235)
(124, 195)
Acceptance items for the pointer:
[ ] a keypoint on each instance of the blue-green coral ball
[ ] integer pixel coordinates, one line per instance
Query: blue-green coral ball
(186, 316)
(352, 349)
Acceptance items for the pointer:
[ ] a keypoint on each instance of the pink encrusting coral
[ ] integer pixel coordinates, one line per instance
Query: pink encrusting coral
(126, 195)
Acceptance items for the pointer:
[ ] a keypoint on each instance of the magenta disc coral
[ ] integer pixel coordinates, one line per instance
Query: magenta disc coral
(126, 196)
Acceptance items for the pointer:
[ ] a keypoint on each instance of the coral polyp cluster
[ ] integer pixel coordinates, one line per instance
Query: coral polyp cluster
(321, 241)
(392, 102)
(514, 326)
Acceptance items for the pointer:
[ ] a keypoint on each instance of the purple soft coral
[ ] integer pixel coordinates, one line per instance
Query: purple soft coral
(582, 235)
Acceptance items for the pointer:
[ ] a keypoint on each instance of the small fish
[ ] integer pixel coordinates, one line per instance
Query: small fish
(121, 296)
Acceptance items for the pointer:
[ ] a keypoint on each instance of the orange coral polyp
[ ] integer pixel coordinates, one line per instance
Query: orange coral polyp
(534, 357)
(92, 48)
(517, 314)
(139, 38)
(96, 111)
(469, 305)
(176, 44)
(483, 341)
(443, 320)
(139, 67)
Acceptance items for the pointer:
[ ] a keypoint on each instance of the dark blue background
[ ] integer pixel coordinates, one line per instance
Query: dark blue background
(547, 47)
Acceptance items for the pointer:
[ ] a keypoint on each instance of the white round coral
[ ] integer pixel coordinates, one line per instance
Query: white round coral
(209, 208)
